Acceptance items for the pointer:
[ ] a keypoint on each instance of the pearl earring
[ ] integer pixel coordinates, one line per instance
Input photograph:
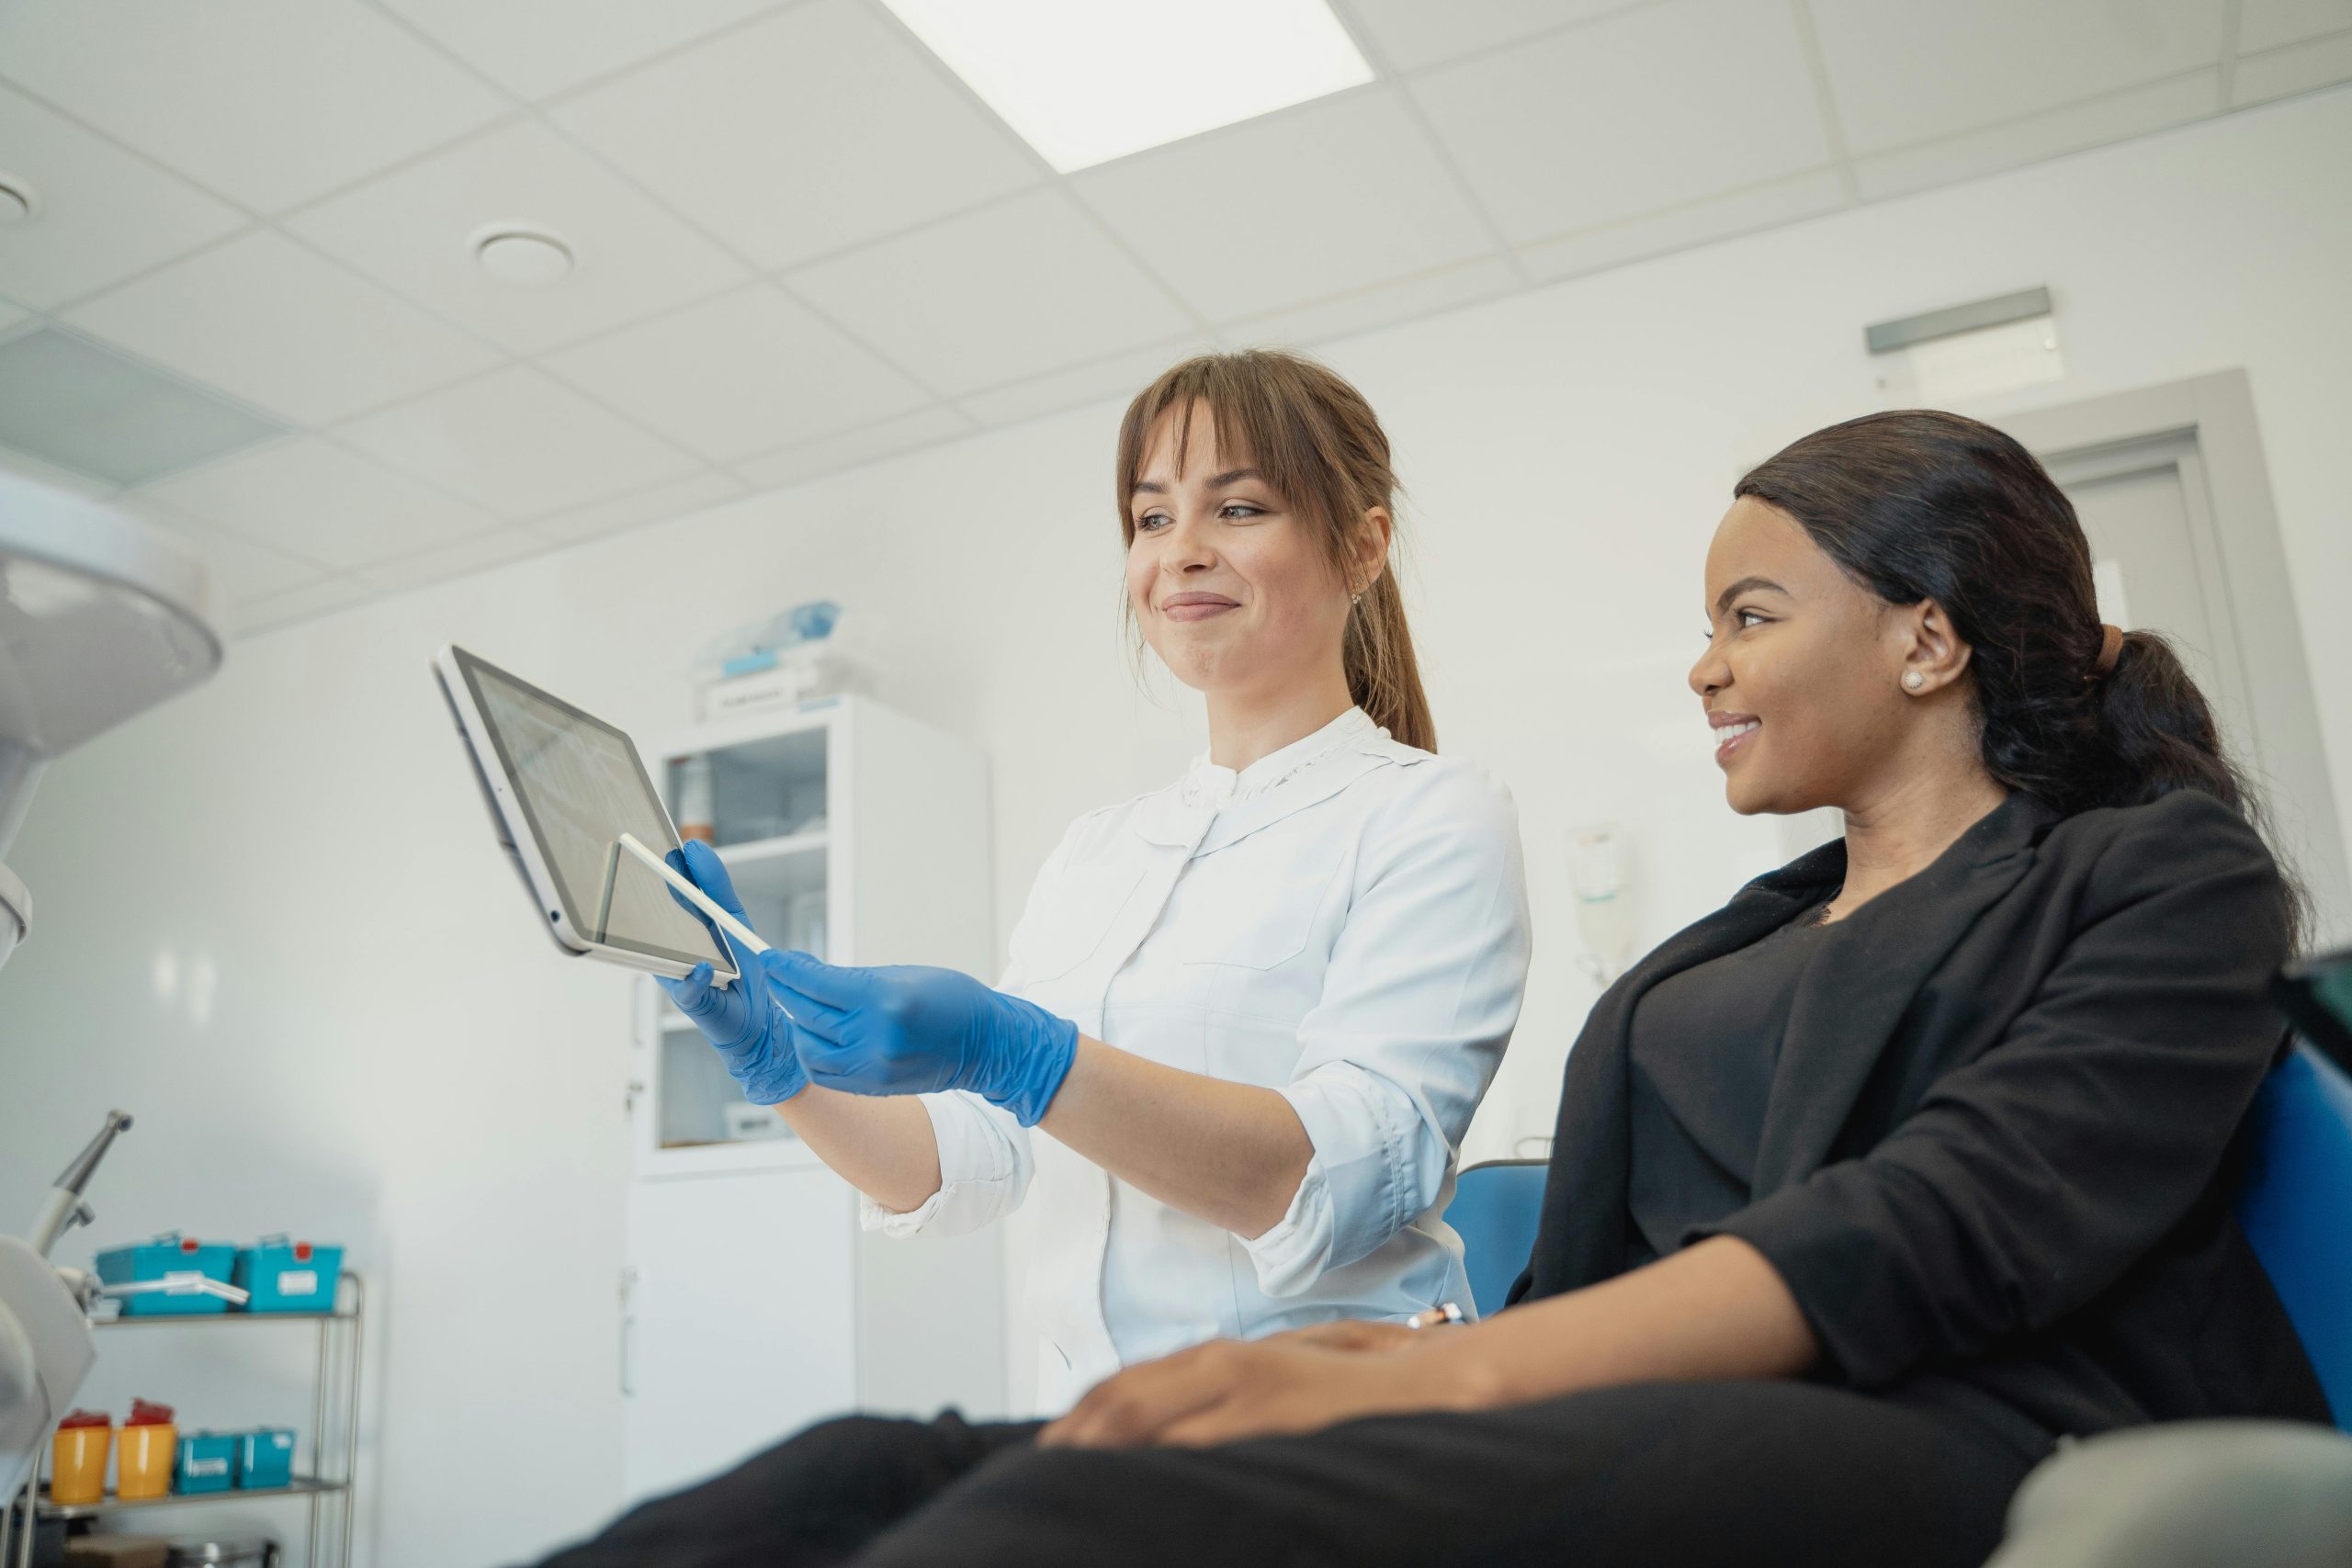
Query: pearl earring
(1913, 681)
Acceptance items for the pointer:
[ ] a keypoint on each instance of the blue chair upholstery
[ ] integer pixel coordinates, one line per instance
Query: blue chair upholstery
(1495, 1208)
(2296, 1208)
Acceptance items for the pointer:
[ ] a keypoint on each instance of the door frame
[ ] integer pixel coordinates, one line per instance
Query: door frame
(2240, 555)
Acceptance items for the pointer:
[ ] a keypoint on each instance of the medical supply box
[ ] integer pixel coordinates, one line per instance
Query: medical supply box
(265, 1457)
(208, 1462)
(151, 1262)
(282, 1275)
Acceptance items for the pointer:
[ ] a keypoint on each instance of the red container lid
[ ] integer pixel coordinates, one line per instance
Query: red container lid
(144, 1413)
(189, 1244)
(301, 1252)
(87, 1418)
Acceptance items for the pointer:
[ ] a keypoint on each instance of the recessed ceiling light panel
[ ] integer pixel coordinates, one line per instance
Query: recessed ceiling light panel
(513, 252)
(1086, 81)
(94, 410)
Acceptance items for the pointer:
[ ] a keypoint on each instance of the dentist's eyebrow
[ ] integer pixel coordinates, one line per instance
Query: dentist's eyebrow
(1723, 600)
(1216, 482)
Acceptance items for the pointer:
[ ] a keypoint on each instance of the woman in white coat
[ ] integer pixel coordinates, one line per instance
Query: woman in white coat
(1252, 1012)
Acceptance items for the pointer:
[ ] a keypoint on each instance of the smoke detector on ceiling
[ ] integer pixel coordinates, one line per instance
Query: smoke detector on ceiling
(18, 204)
(514, 252)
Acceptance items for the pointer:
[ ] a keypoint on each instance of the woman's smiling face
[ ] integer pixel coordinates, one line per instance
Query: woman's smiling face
(1229, 585)
(1802, 676)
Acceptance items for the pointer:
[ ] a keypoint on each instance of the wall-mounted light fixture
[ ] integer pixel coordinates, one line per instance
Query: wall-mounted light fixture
(1962, 352)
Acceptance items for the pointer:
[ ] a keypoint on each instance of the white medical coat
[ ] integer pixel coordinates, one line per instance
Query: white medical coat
(1345, 922)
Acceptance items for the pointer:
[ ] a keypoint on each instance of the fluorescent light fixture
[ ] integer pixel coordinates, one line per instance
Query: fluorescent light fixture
(1088, 81)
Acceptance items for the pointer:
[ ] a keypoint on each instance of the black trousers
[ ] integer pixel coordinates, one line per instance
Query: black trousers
(1657, 1474)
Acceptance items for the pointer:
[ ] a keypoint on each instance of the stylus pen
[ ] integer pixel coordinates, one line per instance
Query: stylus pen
(726, 923)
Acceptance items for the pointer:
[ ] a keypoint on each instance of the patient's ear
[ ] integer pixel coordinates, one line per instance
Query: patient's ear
(1933, 654)
(1368, 548)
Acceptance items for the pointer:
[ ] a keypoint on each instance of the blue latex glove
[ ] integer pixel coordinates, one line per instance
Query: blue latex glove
(743, 1021)
(909, 1028)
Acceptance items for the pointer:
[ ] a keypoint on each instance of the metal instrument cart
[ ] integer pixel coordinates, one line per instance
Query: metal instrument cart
(326, 1481)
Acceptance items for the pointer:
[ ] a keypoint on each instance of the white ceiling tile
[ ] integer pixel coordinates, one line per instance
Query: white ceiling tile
(2267, 23)
(819, 129)
(533, 47)
(272, 322)
(105, 213)
(1647, 109)
(1021, 287)
(241, 570)
(1386, 304)
(519, 442)
(924, 427)
(1782, 201)
(747, 372)
(1119, 375)
(2176, 101)
(311, 499)
(1273, 212)
(1931, 68)
(674, 499)
(267, 102)
(413, 231)
(439, 564)
(2298, 68)
(304, 603)
(1411, 34)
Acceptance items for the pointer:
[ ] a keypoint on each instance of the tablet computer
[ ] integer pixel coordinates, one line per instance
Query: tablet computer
(562, 786)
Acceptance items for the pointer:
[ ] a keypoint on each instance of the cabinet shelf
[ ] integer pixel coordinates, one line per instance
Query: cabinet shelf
(335, 1387)
(776, 868)
(300, 1486)
(209, 1319)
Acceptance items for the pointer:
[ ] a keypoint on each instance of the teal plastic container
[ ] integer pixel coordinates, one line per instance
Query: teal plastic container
(284, 1275)
(207, 1463)
(170, 1253)
(265, 1457)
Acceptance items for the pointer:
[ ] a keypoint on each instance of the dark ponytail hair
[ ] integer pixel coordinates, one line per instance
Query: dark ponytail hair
(1917, 504)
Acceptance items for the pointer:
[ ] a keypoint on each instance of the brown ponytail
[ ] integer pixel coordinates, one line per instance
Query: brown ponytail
(1322, 450)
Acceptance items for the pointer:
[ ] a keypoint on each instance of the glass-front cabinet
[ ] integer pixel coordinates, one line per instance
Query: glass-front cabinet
(851, 832)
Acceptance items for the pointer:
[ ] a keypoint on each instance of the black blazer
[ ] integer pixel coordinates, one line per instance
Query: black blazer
(2001, 1139)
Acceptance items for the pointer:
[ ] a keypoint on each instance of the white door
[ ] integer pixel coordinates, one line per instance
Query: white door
(2171, 487)
(739, 1322)
(2139, 507)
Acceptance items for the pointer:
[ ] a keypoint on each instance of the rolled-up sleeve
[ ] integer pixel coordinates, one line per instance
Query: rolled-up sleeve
(984, 1170)
(2029, 1180)
(1418, 1002)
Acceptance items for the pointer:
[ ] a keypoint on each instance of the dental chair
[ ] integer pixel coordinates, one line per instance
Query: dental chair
(2235, 1494)
(1496, 1206)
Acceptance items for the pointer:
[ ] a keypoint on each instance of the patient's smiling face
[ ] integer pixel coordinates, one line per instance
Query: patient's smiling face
(1803, 673)
(1229, 585)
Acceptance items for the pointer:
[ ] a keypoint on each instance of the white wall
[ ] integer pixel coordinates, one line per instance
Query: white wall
(387, 1050)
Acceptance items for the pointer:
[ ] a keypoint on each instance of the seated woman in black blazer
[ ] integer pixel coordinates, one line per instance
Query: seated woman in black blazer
(1868, 1189)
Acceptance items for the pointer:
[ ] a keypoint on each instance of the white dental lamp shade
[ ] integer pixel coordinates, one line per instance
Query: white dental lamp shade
(101, 618)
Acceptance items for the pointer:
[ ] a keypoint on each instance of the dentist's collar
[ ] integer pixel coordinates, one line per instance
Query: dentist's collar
(1210, 785)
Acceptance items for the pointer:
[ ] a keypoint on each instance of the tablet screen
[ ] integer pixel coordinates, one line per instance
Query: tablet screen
(581, 786)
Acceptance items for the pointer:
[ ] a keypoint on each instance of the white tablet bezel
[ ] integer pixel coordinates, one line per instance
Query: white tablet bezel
(520, 836)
